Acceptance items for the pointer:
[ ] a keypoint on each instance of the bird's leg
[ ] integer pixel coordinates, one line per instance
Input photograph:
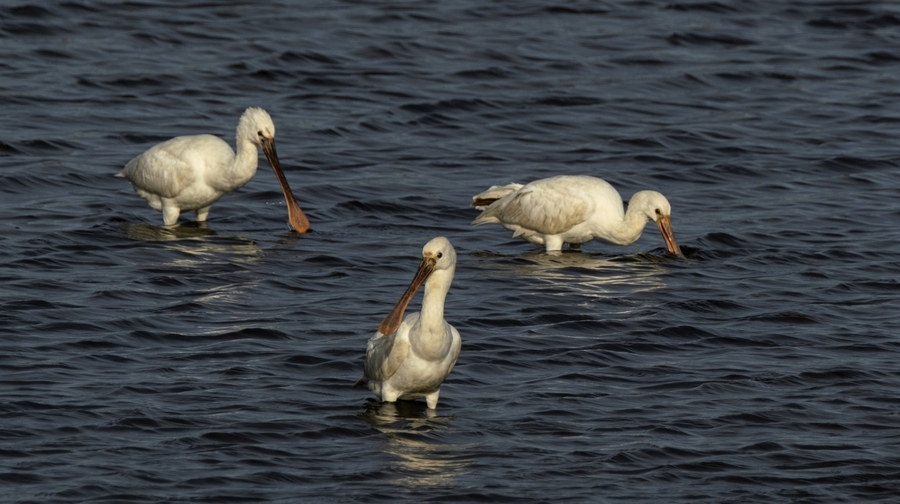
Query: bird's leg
(389, 393)
(553, 243)
(432, 399)
(202, 214)
(170, 211)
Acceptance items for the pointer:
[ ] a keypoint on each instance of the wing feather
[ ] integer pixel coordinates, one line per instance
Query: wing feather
(160, 172)
(544, 208)
(168, 168)
(494, 193)
(385, 353)
(456, 346)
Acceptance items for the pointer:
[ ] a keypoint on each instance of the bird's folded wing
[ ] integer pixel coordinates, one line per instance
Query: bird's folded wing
(159, 171)
(545, 210)
(455, 347)
(384, 355)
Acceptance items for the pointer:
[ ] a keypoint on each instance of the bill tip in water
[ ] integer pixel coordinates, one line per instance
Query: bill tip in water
(296, 217)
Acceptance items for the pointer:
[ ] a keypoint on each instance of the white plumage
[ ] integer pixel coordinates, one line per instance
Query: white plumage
(410, 360)
(193, 172)
(573, 209)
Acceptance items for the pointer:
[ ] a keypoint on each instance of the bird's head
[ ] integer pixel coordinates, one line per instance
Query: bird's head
(656, 207)
(650, 203)
(437, 255)
(256, 126)
(440, 253)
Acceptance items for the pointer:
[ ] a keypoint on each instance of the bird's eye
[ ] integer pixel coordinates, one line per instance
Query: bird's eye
(658, 212)
(260, 134)
(440, 254)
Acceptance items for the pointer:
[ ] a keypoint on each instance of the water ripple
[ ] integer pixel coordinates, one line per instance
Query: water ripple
(214, 361)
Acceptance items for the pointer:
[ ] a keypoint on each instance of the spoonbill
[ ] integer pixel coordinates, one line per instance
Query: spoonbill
(410, 359)
(193, 172)
(574, 209)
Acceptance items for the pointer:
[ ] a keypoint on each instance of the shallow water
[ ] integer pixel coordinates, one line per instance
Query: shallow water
(213, 363)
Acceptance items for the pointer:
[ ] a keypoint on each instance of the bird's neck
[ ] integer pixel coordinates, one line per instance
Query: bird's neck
(630, 228)
(246, 159)
(433, 341)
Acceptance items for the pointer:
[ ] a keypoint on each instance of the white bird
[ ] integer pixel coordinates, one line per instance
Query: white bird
(410, 360)
(193, 172)
(574, 209)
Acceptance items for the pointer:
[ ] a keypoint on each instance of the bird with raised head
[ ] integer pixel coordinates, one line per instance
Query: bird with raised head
(409, 358)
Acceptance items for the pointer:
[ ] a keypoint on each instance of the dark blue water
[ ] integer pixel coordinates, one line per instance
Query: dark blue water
(215, 363)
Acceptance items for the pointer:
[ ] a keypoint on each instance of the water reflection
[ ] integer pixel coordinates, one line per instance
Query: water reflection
(580, 272)
(197, 241)
(149, 232)
(411, 429)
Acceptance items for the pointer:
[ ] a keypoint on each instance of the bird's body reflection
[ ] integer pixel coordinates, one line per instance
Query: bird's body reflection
(187, 230)
(196, 241)
(411, 428)
(581, 273)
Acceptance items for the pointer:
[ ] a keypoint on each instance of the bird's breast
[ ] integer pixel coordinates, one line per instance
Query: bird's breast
(431, 344)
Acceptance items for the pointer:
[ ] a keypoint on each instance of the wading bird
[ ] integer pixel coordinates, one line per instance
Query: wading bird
(193, 172)
(410, 359)
(574, 209)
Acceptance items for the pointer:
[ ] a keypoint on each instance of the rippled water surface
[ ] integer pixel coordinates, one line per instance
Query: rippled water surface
(214, 363)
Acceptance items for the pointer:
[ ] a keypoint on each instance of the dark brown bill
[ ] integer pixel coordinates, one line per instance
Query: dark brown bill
(296, 216)
(665, 227)
(393, 320)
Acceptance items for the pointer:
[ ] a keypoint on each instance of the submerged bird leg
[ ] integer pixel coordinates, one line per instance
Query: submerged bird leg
(553, 243)
(170, 211)
(432, 399)
(202, 214)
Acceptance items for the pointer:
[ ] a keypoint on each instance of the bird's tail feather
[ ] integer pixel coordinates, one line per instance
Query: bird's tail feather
(484, 199)
(482, 203)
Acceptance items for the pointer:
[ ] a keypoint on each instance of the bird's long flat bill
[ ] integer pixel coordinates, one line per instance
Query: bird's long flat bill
(665, 227)
(296, 216)
(393, 320)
